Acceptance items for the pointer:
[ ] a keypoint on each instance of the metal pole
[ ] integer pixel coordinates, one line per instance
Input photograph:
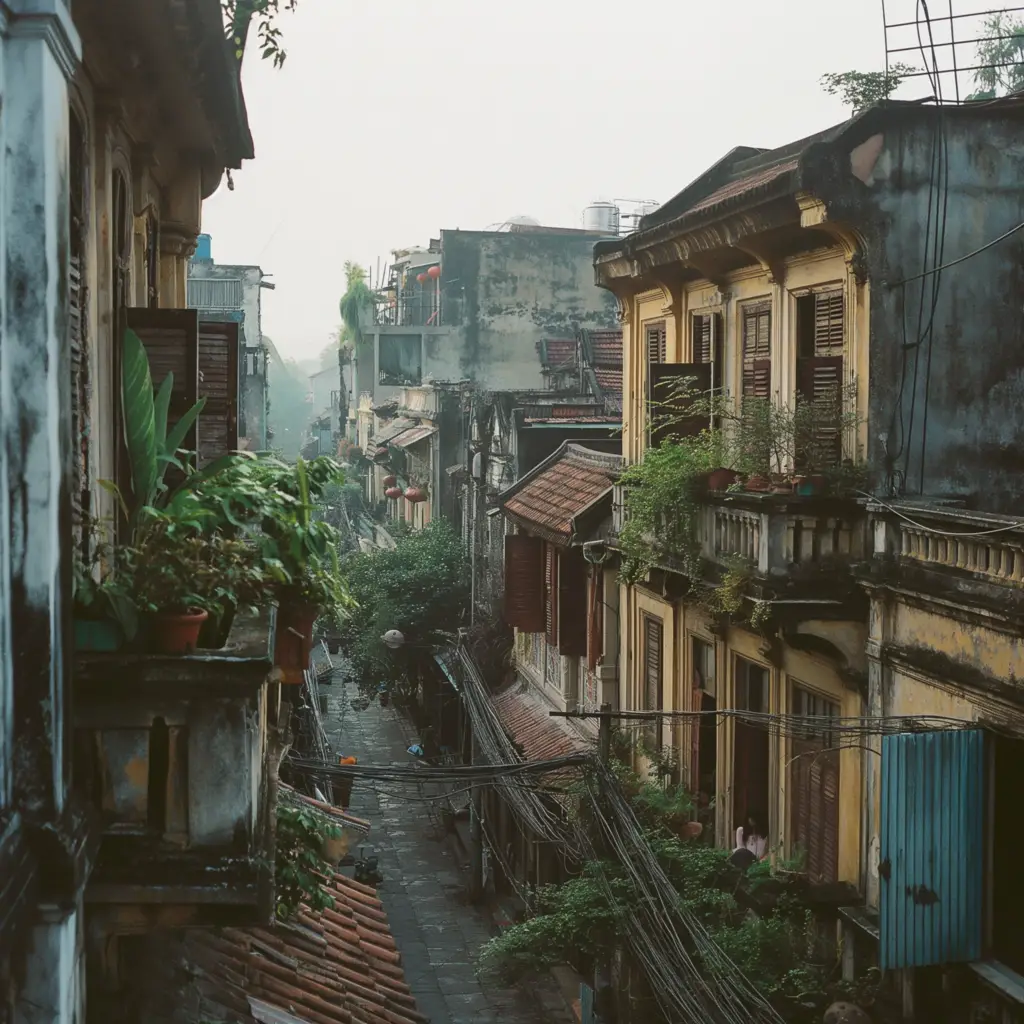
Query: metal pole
(476, 864)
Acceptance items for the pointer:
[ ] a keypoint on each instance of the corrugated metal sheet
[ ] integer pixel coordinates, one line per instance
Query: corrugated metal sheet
(932, 848)
(413, 436)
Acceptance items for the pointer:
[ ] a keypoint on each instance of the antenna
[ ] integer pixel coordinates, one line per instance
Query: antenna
(964, 49)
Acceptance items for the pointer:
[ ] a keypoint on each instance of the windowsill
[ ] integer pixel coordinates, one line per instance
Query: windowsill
(1005, 981)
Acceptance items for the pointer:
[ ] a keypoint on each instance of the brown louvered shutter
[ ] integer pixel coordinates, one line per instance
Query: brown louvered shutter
(800, 797)
(823, 852)
(79, 395)
(218, 384)
(828, 323)
(524, 582)
(551, 594)
(696, 705)
(657, 342)
(595, 641)
(707, 338)
(757, 351)
(667, 405)
(572, 604)
(652, 677)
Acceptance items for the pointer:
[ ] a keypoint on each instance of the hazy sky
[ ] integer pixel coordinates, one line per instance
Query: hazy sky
(390, 121)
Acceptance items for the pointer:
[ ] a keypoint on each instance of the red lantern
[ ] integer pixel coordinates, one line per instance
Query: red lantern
(422, 278)
(389, 481)
(393, 492)
(434, 273)
(414, 494)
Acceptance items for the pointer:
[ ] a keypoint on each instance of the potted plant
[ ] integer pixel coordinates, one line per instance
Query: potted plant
(103, 612)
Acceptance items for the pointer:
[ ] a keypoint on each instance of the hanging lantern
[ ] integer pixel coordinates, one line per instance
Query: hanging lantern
(415, 494)
(390, 480)
(422, 278)
(434, 273)
(393, 492)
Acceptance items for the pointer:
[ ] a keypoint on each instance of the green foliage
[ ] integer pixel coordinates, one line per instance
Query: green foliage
(1003, 45)
(300, 868)
(420, 587)
(860, 89)
(729, 596)
(356, 304)
(151, 445)
(239, 16)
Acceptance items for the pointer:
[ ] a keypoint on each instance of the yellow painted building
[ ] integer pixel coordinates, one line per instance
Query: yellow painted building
(902, 611)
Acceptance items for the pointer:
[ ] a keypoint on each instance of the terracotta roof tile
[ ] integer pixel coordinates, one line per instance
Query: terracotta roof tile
(337, 966)
(557, 353)
(606, 347)
(609, 379)
(561, 490)
(525, 717)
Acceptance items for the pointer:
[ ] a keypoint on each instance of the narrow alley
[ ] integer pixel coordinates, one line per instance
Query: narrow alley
(438, 931)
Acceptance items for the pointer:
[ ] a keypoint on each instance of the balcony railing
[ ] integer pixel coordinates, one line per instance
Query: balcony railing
(988, 547)
(778, 533)
(179, 755)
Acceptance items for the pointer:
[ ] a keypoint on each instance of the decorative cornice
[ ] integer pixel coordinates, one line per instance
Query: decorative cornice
(177, 240)
(49, 21)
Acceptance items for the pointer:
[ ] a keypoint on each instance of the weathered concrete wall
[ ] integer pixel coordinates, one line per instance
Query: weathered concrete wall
(508, 291)
(952, 396)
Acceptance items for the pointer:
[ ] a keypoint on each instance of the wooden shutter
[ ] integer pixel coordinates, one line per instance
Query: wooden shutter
(218, 384)
(707, 337)
(757, 351)
(171, 340)
(664, 402)
(652, 677)
(572, 604)
(696, 705)
(828, 323)
(595, 640)
(524, 582)
(823, 819)
(79, 395)
(551, 594)
(657, 342)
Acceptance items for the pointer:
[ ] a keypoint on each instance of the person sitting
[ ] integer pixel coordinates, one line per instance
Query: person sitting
(753, 838)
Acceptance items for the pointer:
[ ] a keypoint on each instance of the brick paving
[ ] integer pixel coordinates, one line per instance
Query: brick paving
(437, 931)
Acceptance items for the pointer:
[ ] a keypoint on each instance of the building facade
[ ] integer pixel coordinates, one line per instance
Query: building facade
(778, 277)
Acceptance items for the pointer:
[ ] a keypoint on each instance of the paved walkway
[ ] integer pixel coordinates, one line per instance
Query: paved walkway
(437, 930)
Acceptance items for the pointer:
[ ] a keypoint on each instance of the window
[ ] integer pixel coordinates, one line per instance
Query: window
(706, 337)
(218, 384)
(595, 620)
(703, 732)
(551, 594)
(751, 760)
(399, 360)
(820, 377)
(757, 350)
(524, 582)
(652, 659)
(814, 788)
(656, 339)
(222, 293)
(572, 603)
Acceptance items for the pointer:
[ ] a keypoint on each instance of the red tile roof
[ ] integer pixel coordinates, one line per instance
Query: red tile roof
(609, 379)
(749, 183)
(337, 966)
(550, 497)
(606, 347)
(557, 353)
(525, 717)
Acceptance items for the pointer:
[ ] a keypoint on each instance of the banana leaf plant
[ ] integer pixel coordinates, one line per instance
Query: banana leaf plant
(152, 445)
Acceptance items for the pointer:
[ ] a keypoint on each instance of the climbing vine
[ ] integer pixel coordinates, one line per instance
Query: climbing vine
(300, 870)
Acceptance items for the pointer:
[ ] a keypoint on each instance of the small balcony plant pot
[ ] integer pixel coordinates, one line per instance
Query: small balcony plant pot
(757, 483)
(175, 632)
(781, 484)
(97, 635)
(217, 628)
(721, 479)
(293, 639)
(333, 849)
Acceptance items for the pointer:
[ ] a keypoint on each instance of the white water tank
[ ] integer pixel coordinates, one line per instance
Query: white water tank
(602, 218)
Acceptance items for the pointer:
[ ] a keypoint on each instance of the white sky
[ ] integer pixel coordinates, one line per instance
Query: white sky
(390, 121)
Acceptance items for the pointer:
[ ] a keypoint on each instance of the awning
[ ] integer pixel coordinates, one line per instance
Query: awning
(391, 430)
(413, 436)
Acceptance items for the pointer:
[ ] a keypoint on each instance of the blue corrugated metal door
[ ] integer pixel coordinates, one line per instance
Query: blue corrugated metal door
(932, 848)
(587, 1004)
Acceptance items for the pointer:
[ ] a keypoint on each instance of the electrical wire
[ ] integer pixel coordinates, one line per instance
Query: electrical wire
(936, 531)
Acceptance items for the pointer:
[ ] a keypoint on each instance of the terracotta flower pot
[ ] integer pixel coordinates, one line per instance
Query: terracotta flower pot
(721, 479)
(172, 633)
(781, 484)
(293, 639)
(758, 483)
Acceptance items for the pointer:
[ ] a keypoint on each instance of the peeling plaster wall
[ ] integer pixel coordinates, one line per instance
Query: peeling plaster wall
(973, 396)
(511, 290)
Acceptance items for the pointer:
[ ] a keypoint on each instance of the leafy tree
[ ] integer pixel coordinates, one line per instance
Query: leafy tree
(419, 587)
(359, 299)
(239, 16)
(1003, 45)
(860, 89)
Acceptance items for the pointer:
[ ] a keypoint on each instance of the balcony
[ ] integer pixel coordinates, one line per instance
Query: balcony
(785, 537)
(179, 754)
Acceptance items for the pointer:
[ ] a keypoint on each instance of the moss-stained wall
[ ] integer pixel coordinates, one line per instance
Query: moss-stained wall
(505, 291)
